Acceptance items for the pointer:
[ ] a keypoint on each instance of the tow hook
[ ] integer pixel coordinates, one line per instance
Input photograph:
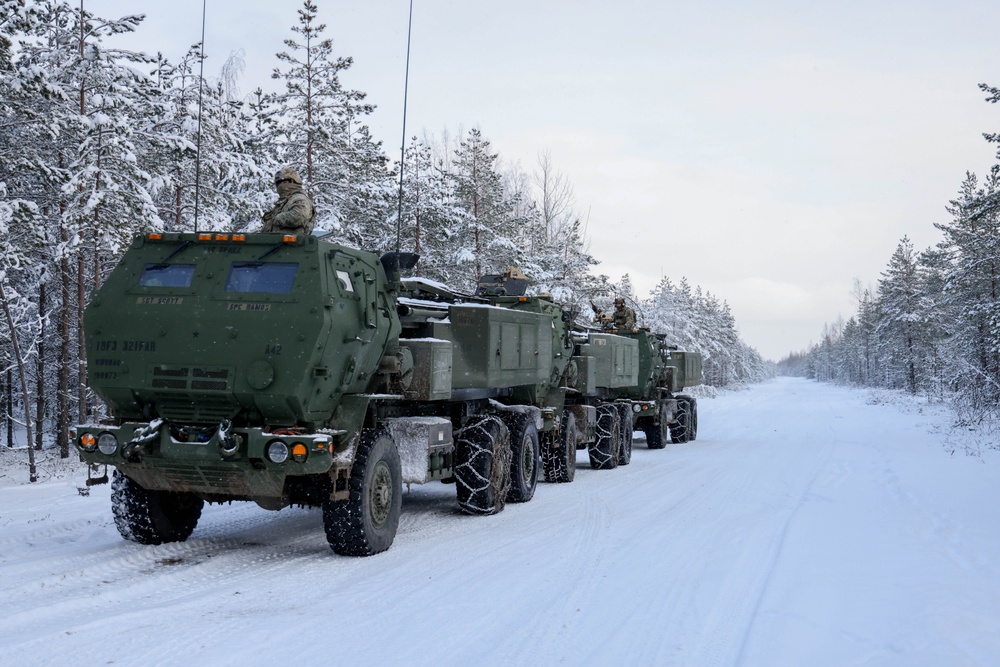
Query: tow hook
(131, 452)
(133, 449)
(229, 443)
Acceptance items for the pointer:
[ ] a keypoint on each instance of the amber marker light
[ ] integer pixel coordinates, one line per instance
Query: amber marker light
(88, 442)
(290, 238)
(154, 237)
(299, 452)
(204, 237)
(222, 237)
(239, 237)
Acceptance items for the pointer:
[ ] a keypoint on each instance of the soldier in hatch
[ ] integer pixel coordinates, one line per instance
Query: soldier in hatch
(294, 212)
(624, 316)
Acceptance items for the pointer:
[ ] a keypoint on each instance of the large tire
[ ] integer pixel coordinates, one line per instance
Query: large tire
(604, 450)
(153, 517)
(559, 455)
(680, 431)
(365, 524)
(525, 456)
(657, 434)
(626, 430)
(693, 419)
(482, 466)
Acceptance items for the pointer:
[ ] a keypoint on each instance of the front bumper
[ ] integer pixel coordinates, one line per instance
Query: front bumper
(232, 463)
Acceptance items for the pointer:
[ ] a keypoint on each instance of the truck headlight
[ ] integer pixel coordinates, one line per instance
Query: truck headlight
(107, 443)
(277, 451)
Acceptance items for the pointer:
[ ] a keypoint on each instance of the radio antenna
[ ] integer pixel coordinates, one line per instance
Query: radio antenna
(201, 85)
(402, 146)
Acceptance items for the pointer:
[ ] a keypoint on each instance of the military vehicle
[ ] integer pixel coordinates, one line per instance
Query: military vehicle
(663, 414)
(646, 373)
(292, 370)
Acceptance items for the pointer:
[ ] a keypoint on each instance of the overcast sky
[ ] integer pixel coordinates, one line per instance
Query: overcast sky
(771, 152)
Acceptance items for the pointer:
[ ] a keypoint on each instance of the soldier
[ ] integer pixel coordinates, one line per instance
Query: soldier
(294, 212)
(624, 316)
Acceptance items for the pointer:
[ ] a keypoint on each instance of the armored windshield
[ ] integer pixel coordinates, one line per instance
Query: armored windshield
(167, 275)
(270, 278)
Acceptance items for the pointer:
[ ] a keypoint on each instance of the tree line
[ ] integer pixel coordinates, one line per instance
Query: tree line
(103, 143)
(931, 325)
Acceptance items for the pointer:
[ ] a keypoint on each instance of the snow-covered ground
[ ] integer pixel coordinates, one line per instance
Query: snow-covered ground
(806, 526)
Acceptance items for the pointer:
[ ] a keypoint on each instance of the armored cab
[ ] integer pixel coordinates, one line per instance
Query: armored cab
(254, 329)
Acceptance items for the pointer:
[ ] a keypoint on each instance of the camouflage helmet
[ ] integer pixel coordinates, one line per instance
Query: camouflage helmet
(287, 174)
(619, 301)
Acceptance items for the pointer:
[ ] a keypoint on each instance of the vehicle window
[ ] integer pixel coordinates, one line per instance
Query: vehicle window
(270, 278)
(167, 275)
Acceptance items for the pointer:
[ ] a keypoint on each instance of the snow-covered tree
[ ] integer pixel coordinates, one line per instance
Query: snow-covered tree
(321, 131)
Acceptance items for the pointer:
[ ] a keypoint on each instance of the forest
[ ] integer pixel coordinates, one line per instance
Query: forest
(103, 143)
(931, 325)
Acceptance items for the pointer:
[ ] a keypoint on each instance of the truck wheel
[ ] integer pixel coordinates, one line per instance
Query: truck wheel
(657, 434)
(482, 466)
(680, 432)
(525, 458)
(559, 456)
(366, 523)
(604, 450)
(693, 420)
(625, 428)
(153, 517)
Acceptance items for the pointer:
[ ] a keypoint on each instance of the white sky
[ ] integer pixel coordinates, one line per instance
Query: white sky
(771, 152)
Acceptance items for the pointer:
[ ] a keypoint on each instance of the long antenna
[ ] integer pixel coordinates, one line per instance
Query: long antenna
(201, 85)
(402, 145)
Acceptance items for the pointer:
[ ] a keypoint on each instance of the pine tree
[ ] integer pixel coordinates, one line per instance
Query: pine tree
(901, 329)
(431, 220)
(489, 226)
(21, 323)
(972, 285)
(321, 131)
(224, 184)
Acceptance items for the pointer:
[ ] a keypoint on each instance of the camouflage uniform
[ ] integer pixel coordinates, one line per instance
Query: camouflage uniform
(624, 316)
(294, 212)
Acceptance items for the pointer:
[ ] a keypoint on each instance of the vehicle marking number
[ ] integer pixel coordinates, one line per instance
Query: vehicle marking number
(159, 300)
(252, 307)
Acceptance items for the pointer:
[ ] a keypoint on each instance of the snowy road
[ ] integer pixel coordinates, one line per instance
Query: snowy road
(804, 527)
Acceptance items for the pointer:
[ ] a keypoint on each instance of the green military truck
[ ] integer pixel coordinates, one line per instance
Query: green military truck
(663, 414)
(639, 375)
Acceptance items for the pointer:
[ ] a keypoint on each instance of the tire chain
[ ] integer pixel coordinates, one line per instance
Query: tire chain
(599, 458)
(625, 426)
(555, 456)
(485, 494)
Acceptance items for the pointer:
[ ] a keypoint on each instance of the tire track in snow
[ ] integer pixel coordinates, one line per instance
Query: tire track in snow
(571, 587)
(115, 577)
(729, 625)
(714, 597)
